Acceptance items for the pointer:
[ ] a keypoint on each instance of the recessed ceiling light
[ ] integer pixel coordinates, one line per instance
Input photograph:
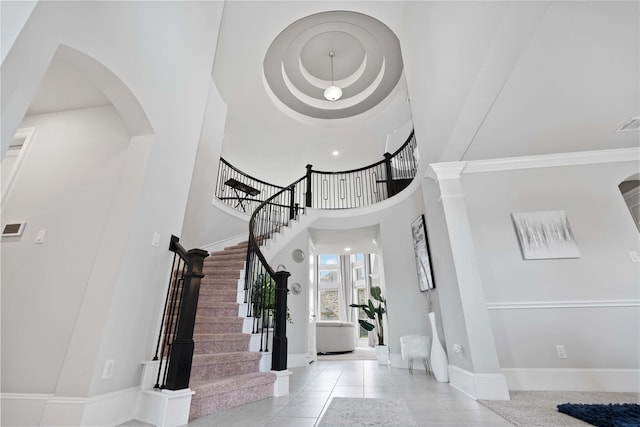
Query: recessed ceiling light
(347, 249)
(631, 124)
(335, 152)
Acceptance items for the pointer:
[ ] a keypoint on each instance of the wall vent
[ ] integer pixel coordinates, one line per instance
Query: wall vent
(631, 124)
(13, 229)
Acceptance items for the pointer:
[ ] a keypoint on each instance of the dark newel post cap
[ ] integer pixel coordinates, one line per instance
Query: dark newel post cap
(309, 166)
(387, 156)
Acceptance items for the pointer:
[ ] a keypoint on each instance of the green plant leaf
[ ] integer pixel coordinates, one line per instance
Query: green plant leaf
(376, 293)
(366, 325)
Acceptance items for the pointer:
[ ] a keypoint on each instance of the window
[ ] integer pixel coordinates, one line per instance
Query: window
(329, 287)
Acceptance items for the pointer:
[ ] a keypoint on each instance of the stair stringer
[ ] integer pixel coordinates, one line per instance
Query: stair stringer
(287, 234)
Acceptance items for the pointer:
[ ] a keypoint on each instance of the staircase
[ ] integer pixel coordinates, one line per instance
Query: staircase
(224, 372)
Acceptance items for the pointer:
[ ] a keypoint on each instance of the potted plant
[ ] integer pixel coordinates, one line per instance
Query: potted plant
(264, 300)
(375, 312)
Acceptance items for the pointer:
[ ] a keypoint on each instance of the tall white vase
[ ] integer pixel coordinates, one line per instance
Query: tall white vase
(439, 362)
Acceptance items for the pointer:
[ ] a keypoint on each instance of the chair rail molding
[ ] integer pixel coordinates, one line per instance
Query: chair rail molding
(524, 305)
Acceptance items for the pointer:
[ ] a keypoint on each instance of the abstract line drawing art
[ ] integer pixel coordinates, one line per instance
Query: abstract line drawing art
(544, 235)
(421, 250)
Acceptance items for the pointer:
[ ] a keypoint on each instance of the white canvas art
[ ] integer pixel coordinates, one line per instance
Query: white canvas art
(544, 235)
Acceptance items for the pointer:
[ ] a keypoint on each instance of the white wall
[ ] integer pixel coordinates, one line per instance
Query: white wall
(13, 15)
(205, 224)
(298, 304)
(65, 186)
(143, 44)
(588, 304)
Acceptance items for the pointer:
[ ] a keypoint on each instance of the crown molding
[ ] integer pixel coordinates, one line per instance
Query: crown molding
(448, 170)
(554, 160)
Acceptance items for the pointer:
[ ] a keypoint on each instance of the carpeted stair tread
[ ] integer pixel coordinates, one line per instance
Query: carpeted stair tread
(224, 373)
(216, 259)
(222, 295)
(219, 319)
(222, 337)
(217, 304)
(250, 390)
(218, 281)
(207, 388)
(210, 359)
(226, 284)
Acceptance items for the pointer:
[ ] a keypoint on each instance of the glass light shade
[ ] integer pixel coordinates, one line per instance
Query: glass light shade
(333, 93)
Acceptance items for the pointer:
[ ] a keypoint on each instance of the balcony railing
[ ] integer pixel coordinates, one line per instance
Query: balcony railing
(321, 189)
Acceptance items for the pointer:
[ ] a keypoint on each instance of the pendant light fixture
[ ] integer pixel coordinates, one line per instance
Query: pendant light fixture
(333, 92)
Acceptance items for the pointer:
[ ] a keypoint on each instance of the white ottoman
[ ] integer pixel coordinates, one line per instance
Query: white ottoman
(335, 337)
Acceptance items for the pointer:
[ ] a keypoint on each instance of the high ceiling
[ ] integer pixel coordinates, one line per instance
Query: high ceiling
(478, 80)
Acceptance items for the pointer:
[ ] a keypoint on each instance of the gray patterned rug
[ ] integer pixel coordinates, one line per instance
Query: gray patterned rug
(358, 412)
(539, 408)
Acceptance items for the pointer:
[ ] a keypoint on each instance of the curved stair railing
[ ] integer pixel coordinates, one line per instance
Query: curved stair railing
(324, 190)
(266, 288)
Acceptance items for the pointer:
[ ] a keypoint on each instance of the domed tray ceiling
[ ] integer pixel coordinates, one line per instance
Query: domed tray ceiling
(367, 64)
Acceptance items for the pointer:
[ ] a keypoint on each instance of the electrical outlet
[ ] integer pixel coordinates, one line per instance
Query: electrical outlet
(107, 371)
(562, 354)
(457, 349)
(155, 242)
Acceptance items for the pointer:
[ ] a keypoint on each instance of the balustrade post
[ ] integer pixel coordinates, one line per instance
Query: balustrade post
(279, 355)
(308, 198)
(181, 356)
(389, 173)
(292, 202)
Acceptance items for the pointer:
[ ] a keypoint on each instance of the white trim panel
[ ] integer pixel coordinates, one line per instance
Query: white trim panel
(21, 409)
(612, 380)
(553, 160)
(297, 360)
(479, 386)
(562, 304)
(50, 410)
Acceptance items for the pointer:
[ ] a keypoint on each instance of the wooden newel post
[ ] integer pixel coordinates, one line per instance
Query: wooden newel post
(181, 356)
(279, 355)
(387, 167)
(308, 198)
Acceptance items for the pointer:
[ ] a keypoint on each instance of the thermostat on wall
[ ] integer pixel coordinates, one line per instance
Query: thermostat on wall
(13, 229)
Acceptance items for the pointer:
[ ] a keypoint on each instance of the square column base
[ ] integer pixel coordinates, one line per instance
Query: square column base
(281, 386)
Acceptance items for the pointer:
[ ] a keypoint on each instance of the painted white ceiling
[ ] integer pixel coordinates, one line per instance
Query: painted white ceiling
(487, 80)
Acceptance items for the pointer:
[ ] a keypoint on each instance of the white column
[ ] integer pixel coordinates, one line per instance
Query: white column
(486, 381)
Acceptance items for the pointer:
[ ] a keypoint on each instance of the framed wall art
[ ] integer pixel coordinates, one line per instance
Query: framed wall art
(421, 250)
(545, 235)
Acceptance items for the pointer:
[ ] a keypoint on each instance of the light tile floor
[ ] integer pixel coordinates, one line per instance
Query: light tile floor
(313, 387)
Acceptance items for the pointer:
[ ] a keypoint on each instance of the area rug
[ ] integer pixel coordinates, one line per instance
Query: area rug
(611, 415)
(539, 408)
(358, 412)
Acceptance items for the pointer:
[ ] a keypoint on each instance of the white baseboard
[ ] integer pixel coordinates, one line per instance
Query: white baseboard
(297, 360)
(479, 386)
(617, 380)
(231, 241)
(21, 409)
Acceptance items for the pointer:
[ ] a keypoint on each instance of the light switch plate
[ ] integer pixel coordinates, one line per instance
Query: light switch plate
(40, 236)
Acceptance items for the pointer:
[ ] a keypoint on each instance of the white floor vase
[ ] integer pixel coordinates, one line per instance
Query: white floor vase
(439, 362)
